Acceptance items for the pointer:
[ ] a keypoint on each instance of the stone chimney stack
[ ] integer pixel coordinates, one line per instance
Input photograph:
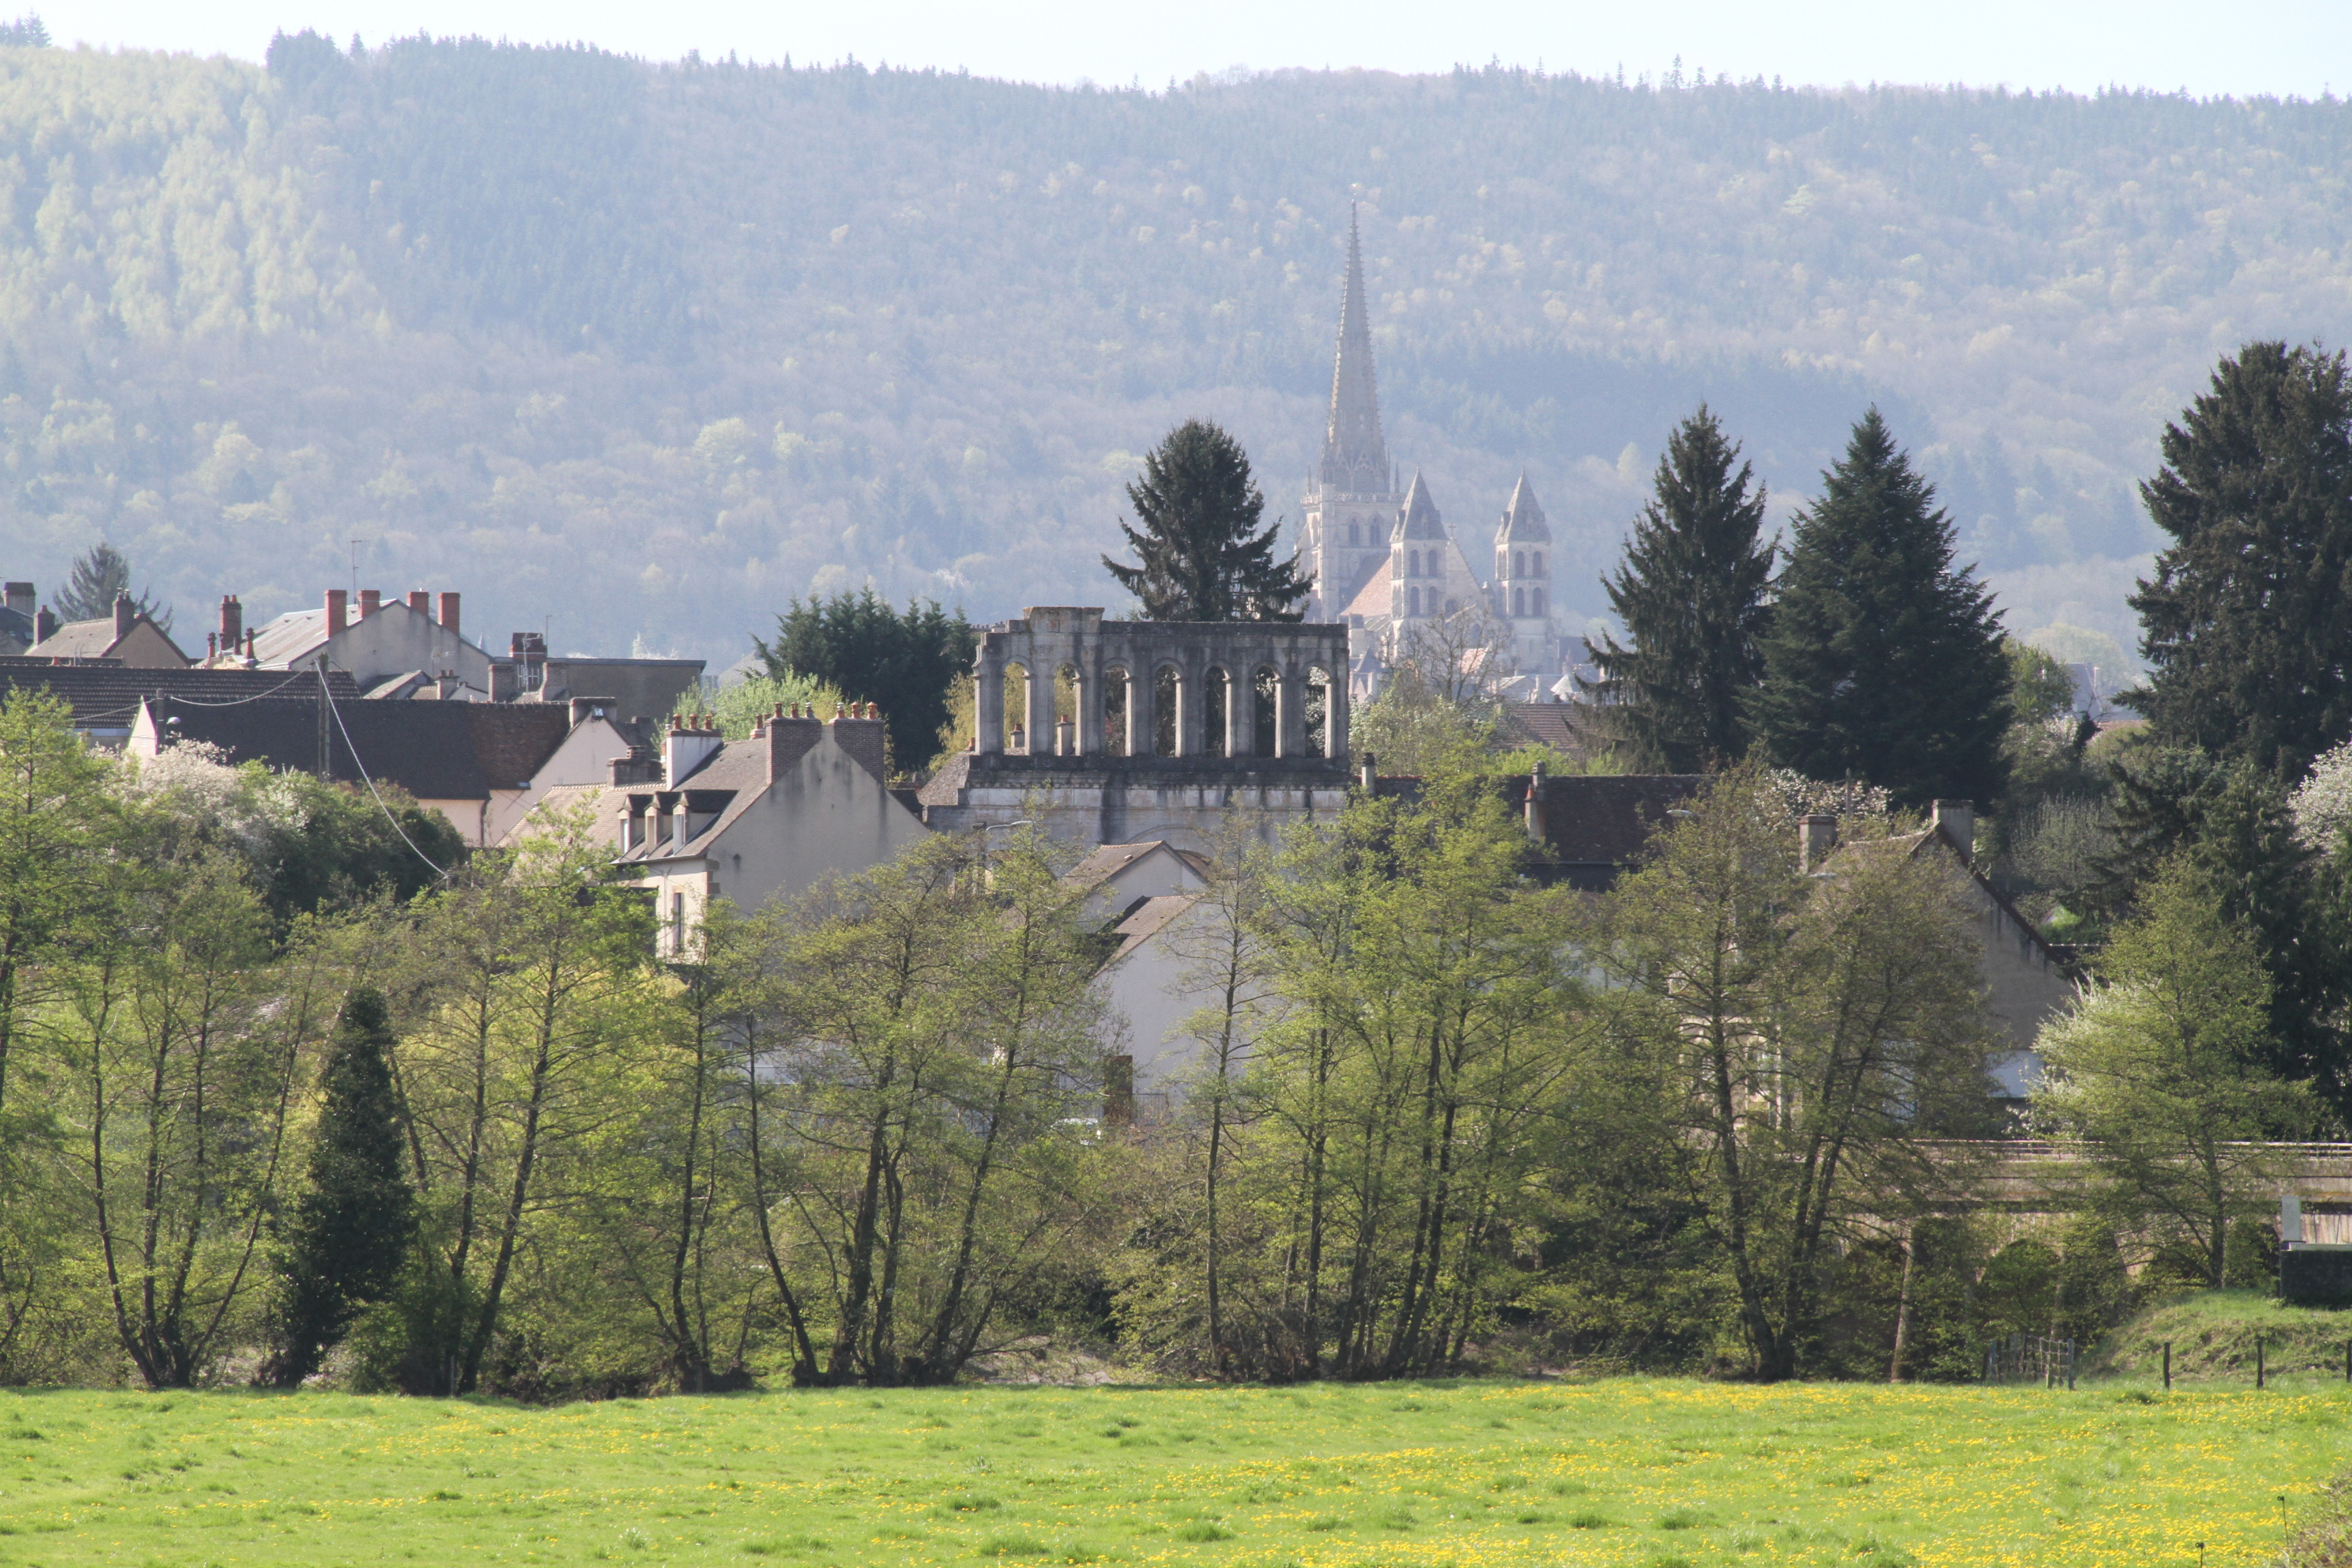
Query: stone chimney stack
(126, 614)
(449, 613)
(790, 736)
(338, 608)
(1956, 820)
(1817, 835)
(45, 624)
(859, 732)
(1367, 778)
(20, 599)
(232, 623)
(371, 601)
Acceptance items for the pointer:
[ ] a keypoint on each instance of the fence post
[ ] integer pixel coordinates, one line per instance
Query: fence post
(2168, 1363)
(2258, 1360)
(2070, 1366)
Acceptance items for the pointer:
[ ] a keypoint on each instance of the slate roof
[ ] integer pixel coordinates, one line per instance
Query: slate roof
(1150, 920)
(435, 751)
(1373, 598)
(289, 636)
(1550, 724)
(1523, 520)
(95, 639)
(1607, 820)
(106, 696)
(1107, 860)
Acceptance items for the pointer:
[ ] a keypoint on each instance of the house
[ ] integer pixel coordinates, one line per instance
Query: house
(749, 820)
(1150, 983)
(105, 695)
(481, 765)
(129, 637)
(18, 628)
(385, 641)
(1118, 877)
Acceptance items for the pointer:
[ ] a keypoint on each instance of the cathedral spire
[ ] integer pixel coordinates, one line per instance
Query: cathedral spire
(1355, 456)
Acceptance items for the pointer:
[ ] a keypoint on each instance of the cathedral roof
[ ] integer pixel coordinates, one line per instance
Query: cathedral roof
(1355, 456)
(1419, 517)
(1373, 598)
(1523, 520)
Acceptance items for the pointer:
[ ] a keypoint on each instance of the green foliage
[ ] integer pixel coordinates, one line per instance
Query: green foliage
(2162, 1068)
(1691, 595)
(740, 708)
(2248, 635)
(26, 32)
(354, 1222)
(1200, 555)
(1885, 660)
(861, 647)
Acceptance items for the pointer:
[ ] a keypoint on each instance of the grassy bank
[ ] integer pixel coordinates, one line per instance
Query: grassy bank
(1650, 1473)
(2212, 1335)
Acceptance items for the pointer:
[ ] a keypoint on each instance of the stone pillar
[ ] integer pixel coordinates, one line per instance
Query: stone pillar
(1335, 713)
(1241, 734)
(1192, 708)
(988, 702)
(1143, 708)
(1090, 703)
(1291, 715)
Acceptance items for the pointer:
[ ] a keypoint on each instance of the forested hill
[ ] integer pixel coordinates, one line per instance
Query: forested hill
(641, 352)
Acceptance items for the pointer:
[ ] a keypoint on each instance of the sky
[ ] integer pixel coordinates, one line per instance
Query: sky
(2245, 47)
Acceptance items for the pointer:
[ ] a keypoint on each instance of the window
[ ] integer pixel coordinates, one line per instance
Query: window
(1351, 534)
(1538, 598)
(1539, 572)
(1412, 564)
(1413, 601)
(1518, 564)
(1519, 601)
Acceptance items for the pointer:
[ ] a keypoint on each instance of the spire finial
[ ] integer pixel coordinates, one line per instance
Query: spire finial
(1354, 455)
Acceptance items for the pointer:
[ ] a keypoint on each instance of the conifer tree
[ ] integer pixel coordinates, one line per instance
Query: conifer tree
(95, 578)
(1200, 554)
(1883, 659)
(352, 1226)
(2248, 621)
(1691, 597)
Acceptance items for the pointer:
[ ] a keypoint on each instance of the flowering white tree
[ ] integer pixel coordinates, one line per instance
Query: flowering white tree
(2322, 804)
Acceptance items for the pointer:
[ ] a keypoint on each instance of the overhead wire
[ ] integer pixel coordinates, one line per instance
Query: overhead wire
(326, 695)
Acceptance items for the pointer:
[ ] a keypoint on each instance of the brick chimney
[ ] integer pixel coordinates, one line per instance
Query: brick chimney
(371, 601)
(20, 599)
(1956, 820)
(790, 736)
(232, 623)
(338, 610)
(449, 613)
(859, 732)
(126, 614)
(45, 624)
(420, 602)
(1816, 836)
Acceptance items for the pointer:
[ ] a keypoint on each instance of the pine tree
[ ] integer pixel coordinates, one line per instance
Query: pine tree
(1202, 555)
(97, 576)
(904, 662)
(352, 1226)
(2248, 620)
(1883, 659)
(1691, 597)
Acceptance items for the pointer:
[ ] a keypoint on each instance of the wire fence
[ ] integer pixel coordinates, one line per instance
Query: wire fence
(2046, 1358)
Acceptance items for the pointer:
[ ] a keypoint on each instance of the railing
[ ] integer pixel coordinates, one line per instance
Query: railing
(2045, 1359)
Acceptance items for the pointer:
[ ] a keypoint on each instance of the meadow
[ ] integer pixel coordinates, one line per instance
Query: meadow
(1653, 1473)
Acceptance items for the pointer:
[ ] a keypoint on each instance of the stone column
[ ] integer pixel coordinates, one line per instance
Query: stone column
(1290, 715)
(1192, 708)
(1039, 719)
(988, 700)
(1335, 713)
(1241, 734)
(1089, 663)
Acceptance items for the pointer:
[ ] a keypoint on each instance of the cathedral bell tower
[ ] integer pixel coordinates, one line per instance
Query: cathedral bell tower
(1523, 580)
(1351, 505)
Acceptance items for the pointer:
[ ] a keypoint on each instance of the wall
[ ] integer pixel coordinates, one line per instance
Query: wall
(397, 639)
(638, 687)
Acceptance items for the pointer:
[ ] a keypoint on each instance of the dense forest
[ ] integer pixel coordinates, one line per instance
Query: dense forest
(639, 352)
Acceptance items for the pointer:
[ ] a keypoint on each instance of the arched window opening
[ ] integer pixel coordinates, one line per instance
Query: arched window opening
(1166, 693)
(1413, 601)
(1412, 564)
(1216, 704)
(1115, 707)
(1519, 563)
(1016, 708)
(1538, 604)
(1266, 716)
(1539, 572)
(1318, 713)
(1068, 693)
(1352, 536)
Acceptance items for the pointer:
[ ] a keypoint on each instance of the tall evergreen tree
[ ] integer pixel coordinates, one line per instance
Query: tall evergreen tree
(1200, 554)
(95, 578)
(352, 1226)
(2248, 621)
(1690, 597)
(1884, 658)
(906, 662)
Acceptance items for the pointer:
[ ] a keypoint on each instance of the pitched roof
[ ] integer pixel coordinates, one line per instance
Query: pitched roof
(435, 751)
(1550, 724)
(1107, 860)
(106, 696)
(289, 636)
(1149, 920)
(1419, 517)
(1355, 456)
(1373, 598)
(1523, 520)
(1607, 820)
(97, 639)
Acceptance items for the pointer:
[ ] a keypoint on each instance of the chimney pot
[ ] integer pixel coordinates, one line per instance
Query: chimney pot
(449, 613)
(126, 614)
(338, 603)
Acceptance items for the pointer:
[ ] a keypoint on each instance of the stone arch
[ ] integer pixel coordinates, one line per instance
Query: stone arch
(1117, 711)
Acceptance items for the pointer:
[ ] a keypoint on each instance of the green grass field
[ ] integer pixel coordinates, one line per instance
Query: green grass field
(1650, 1472)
